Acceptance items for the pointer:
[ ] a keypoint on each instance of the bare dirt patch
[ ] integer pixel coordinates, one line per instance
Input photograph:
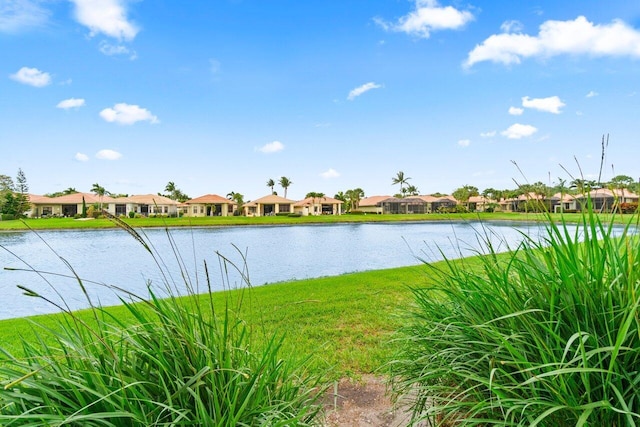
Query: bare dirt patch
(363, 403)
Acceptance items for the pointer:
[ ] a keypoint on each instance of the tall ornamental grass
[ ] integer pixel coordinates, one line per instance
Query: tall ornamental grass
(547, 335)
(181, 363)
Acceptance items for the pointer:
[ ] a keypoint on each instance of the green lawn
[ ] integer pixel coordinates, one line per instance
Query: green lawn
(345, 321)
(70, 223)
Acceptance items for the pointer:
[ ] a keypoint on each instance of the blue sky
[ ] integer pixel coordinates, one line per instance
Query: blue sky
(221, 95)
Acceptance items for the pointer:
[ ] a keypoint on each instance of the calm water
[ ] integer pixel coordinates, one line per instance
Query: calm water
(272, 254)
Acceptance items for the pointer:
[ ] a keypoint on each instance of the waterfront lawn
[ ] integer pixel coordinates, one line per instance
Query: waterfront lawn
(345, 322)
(221, 221)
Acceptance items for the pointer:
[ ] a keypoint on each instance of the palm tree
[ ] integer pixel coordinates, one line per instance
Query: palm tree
(99, 191)
(285, 183)
(271, 183)
(400, 179)
(354, 197)
(411, 190)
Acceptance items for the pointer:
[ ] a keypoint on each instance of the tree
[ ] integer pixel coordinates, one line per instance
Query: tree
(238, 198)
(314, 195)
(464, 193)
(99, 191)
(22, 194)
(621, 182)
(271, 183)
(354, 196)
(411, 190)
(285, 183)
(174, 193)
(400, 179)
(6, 188)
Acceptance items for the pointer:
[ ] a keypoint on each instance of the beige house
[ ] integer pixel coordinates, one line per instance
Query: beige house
(209, 205)
(318, 206)
(372, 204)
(145, 205)
(269, 205)
(68, 205)
(481, 203)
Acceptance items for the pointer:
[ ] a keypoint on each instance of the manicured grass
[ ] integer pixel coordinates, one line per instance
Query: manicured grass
(345, 321)
(69, 223)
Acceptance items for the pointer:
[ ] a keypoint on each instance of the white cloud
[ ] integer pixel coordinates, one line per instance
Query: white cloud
(81, 157)
(577, 37)
(428, 16)
(18, 15)
(32, 77)
(362, 89)
(489, 134)
(70, 103)
(108, 17)
(111, 50)
(464, 142)
(108, 155)
(518, 131)
(515, 111)
(331, 173)
(552, 104)
(272, 147)
(591, 94)
(511, 27)
(126, 114)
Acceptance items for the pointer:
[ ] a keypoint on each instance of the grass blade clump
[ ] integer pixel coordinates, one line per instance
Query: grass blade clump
(185, 361)
(547, 335)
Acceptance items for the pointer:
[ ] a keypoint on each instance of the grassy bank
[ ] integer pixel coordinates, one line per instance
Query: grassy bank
(70, 223)
(344, 321)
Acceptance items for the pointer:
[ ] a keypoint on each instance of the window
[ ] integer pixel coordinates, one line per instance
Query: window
(284, 208)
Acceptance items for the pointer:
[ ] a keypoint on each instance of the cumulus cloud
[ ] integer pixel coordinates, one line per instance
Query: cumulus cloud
(515, 111)
(70, 103)
(126, 114)
(107, 154)
(272, 147)
(32, 77)
(464, 142)
(552, 104)
(591, 94)
(511, 27)
(489, 134)
(331, 173)
(19, 15)
(362, 89)
(577, 37)
(108, 17)
(518, 131)
(427, 17)
(81, 157)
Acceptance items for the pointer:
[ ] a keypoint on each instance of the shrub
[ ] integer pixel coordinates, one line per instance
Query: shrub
(546, 335)
(628, 208)
(183, 362)
(295, 215)
(8, 217)
(282, 214)
(132, 214)
(356, 212)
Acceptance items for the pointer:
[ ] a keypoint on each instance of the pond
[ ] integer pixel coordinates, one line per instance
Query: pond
(269, 254)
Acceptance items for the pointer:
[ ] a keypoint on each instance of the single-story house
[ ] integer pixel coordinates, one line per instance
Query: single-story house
(372, 204)
(606, 200)
(145, 205)
(406, 205)
(68, 205)
(481, 203)
(318, 206)
(268, 205)
(209, 205)
(443, 203)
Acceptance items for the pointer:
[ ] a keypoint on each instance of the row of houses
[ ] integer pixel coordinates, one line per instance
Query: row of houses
(214, 205)
(71, 205)
(602, 199)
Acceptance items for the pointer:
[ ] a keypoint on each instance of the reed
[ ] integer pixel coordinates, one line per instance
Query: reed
(183, 361)
(549, 335)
